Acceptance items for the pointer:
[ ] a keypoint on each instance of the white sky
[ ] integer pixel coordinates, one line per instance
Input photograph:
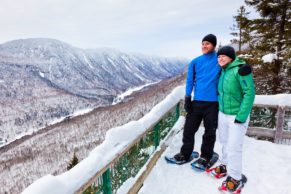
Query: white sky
(159, 27)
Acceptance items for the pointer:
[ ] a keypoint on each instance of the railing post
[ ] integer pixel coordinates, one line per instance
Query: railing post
(107, 182)
(157, 135)
(279, 124)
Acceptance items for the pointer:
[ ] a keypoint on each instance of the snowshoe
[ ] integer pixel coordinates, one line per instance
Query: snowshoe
(202, 164)
(180, 159)
(218, 171)
(233, 186)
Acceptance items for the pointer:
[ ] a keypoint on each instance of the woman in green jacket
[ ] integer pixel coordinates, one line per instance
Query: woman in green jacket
(236, 97)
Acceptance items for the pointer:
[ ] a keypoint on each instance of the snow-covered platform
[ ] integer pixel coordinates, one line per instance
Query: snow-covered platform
(267, 166)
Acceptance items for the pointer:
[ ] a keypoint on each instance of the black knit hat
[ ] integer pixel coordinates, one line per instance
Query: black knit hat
(210, 38)
(228, 51)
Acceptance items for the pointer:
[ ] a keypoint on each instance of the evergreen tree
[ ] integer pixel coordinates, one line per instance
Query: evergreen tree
(242, 28)
(272, 35)
(73, 162)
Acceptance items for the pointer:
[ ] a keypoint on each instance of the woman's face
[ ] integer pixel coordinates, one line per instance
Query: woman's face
(224, 60)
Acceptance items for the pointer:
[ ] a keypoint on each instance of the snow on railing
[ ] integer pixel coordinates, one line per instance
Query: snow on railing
(117, 141)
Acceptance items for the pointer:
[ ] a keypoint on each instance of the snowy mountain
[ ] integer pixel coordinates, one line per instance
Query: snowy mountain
(42, 80)
(99, 73)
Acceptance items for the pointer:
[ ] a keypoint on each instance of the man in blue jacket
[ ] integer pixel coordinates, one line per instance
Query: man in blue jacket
(202, 77)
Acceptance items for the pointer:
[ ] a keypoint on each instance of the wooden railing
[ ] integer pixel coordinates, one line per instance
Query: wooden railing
(275, 125)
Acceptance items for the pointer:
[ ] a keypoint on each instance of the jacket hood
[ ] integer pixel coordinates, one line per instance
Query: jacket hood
(235, 63)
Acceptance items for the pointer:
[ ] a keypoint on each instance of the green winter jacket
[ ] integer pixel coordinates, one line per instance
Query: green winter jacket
(236, 92)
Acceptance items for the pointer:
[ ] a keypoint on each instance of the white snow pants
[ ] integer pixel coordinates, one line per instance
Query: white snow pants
(231, 137)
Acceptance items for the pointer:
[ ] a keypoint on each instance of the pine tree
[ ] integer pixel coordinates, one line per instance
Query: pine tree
(241, 29)
(272, 35)
(73, 162)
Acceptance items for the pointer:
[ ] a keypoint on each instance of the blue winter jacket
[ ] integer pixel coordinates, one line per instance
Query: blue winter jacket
(203, 76)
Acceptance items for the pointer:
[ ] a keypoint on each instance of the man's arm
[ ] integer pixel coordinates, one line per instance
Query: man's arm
(190, 79)
(189, 87)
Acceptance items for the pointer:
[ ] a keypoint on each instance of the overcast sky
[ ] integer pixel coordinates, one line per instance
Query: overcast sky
(155, 27)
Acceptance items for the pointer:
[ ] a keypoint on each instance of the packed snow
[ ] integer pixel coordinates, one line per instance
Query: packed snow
(269, 58)
(277, 99)
(265, 164)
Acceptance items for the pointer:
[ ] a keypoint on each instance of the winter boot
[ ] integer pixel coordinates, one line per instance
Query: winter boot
(180, 157)
(202, 162)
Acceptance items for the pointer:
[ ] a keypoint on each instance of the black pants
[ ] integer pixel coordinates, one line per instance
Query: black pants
(208, 111)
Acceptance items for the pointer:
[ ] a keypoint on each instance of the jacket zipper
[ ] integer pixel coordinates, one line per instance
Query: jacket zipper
(223, 90)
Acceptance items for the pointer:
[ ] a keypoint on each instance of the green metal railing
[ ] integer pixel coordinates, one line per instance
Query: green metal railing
(134, 158)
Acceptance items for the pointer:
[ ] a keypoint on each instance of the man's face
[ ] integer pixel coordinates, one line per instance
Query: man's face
(223, 60)
(207, 47)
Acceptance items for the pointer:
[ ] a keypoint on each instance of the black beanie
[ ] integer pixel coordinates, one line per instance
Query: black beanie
(210, 38)
(228, 51)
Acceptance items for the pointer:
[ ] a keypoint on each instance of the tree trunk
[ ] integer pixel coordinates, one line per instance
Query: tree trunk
(282, 27)
(279, 62)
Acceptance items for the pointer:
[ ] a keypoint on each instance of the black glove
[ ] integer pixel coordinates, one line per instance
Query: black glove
(188, 104)
(237, 121)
